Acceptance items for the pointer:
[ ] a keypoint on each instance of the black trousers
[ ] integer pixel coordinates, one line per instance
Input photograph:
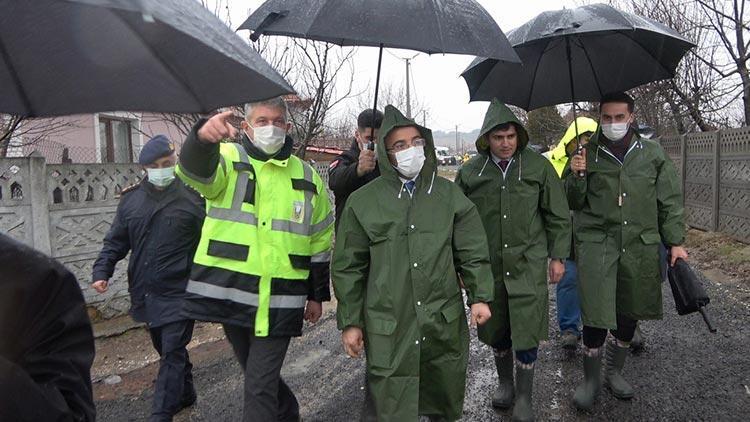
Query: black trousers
(267, 397)
(174, 383)
(594, 338)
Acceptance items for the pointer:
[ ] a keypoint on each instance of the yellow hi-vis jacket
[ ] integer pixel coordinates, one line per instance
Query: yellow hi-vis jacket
(557, 156)
(266, 240)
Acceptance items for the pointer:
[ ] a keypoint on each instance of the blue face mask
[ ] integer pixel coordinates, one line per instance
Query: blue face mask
(162, 177)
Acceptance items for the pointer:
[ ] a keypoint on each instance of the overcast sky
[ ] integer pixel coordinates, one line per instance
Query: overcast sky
(436, 78)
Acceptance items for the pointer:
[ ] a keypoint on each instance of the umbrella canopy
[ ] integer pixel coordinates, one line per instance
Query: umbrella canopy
(431, 26)
(578, 55)
(62, 57)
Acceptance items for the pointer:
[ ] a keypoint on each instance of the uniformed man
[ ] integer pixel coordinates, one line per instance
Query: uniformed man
(262, 262)
(159, 222)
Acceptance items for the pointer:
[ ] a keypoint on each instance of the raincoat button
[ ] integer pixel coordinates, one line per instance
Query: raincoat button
(424, 338)
(416, 342)
(412, 226)
(505, 216)
(505, 245)
(507, 273)
(623, 249)
(415, 265)
(625, 222)
(419, 303)
(624, 194)
(503, 187)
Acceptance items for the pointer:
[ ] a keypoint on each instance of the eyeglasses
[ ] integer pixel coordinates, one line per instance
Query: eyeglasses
(403, 145)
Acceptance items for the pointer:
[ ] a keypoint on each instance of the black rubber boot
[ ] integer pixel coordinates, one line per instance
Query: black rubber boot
(587, 392)
(613, 378)
(522, 409)
(503, 397)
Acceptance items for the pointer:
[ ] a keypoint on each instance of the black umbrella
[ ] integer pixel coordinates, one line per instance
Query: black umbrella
(62, 57)
(578, 54)
(689, 294)
(431, 26)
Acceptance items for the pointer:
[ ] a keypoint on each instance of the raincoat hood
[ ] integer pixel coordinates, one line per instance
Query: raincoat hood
(585, 124)
(393, 119)
(498, 114)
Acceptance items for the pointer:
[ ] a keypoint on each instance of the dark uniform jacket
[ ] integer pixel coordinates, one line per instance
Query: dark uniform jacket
(46, 341)
(162, 229)
(343, 179)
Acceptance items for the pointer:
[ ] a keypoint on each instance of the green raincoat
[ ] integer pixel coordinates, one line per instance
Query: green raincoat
(559, 156)
(527, 220)
(394, 275)
(622, 212)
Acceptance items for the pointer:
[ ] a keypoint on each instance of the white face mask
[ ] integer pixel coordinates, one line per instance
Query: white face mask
(161, 177)
(410, 161)
(615, 131)
(268, 139)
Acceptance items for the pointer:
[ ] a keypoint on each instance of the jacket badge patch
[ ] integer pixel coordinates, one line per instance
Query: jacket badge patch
(299, 211)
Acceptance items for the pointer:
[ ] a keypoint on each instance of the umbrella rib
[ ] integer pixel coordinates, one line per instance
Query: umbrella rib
(593, 69)
(440, 28)
(669, 72)
(16, 79)
(171, 69)
(533, 76)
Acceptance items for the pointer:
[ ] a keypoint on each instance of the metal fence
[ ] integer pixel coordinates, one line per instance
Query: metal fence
(715, 172)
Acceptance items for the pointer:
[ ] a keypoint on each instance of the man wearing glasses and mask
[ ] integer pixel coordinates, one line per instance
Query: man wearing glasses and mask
(401, 240)
(262, 261)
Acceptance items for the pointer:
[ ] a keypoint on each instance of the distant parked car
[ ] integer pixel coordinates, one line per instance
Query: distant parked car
(444, 157)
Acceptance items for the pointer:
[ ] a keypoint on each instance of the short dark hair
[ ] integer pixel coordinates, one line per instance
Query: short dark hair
(503, 126)
(365, 119)
(618, 97)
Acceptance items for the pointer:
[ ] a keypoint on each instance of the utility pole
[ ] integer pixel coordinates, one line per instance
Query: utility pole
(456, 137)
(408, 93)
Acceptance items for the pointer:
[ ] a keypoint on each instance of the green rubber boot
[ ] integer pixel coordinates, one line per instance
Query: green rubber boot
(522, 409)
(613, 378)
(503, 397)
(589, 389)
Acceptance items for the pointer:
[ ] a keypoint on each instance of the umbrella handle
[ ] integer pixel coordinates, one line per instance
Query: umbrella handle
(704, 314)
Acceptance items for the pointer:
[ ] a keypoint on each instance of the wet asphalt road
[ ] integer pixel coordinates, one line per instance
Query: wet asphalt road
(685, 373)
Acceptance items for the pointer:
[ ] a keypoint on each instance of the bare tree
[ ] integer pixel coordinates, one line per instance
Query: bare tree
(323, 77)
(727, 19)
(24, 131)
(702, 95)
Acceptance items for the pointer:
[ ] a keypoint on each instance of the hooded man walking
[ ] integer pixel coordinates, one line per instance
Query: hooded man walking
(627, 200)
(525, 213)
(401, 240)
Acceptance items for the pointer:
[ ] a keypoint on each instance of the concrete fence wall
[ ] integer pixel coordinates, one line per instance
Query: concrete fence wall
(65, 210)
(715, 172)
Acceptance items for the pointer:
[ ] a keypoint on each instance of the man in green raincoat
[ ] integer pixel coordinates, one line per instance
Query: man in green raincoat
(627, 200)
(525, 213)
(567, 304)
(400, 242)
